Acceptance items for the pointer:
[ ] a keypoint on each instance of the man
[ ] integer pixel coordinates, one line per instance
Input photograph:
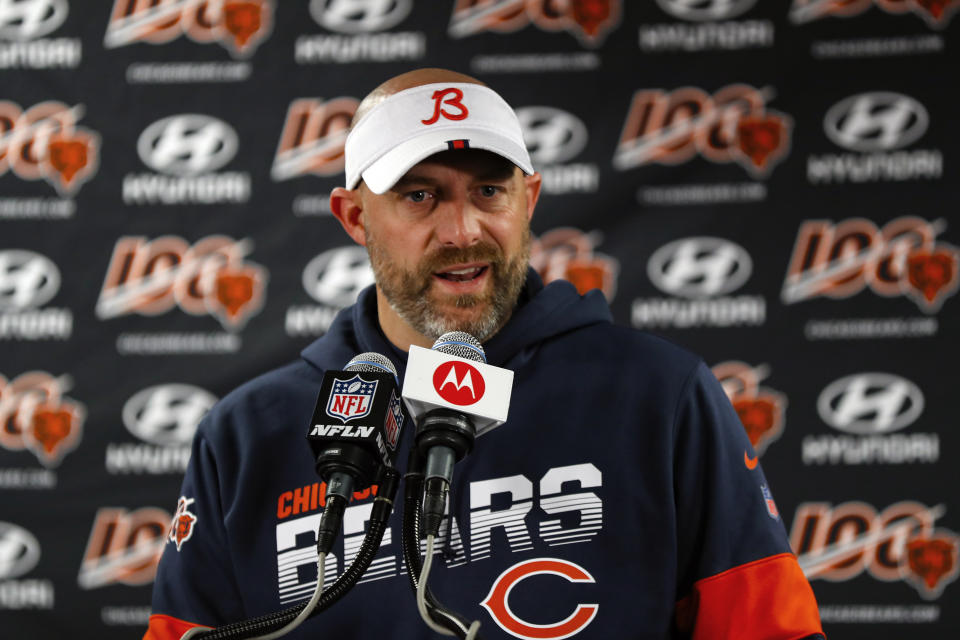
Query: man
(620, 499)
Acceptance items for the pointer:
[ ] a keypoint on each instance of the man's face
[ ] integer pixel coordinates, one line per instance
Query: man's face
(450, 242)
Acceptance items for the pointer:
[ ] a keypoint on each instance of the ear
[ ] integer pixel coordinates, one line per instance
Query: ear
(532, 185)
(347, 206)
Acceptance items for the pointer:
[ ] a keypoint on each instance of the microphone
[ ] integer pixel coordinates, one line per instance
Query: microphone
(354, 433)
(453, 395)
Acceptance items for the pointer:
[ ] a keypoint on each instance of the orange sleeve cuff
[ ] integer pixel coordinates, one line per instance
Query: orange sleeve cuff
(768, 599)
(168, 628)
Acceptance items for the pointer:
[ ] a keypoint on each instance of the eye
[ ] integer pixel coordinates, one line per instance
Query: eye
(488, 191)
(418, 196)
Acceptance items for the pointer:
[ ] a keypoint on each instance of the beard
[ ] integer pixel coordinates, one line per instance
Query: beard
(409, 292)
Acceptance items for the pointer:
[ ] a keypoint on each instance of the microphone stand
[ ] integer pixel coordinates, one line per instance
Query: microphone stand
(412, 504)
(382, 507)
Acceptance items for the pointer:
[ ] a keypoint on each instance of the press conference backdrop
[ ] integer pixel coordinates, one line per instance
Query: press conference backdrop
(772, 185)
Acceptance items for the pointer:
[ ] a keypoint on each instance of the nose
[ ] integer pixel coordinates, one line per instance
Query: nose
(458, 224)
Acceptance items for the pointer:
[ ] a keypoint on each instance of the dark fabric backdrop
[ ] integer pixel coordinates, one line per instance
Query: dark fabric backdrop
(767, 184)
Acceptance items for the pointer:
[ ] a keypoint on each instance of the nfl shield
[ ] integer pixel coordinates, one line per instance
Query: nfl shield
(351, 398)
(394, 421)
(768, 499)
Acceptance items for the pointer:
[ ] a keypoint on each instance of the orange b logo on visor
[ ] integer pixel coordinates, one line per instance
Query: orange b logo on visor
(440, 99)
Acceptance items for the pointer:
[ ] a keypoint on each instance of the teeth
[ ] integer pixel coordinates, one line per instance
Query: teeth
(460, 275)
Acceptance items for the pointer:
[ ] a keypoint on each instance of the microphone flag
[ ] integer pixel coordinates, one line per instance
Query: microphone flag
(436, 380)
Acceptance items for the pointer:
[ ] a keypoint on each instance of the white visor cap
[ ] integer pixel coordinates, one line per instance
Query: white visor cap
(416, 123)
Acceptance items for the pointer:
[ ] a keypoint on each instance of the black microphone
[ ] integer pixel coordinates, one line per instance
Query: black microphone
(354, 434)
(453, 395)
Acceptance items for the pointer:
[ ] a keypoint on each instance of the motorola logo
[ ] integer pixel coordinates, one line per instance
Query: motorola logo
(27, 280)
(335, 277)
(877, 121)
(167, 414)
(870, 403)
(699, 267)
(459, 383)
(552, 135)
(705, 10)
(359, 16)
(187, 145)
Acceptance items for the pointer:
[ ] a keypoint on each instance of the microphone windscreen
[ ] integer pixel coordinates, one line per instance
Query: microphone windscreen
(372, 362)
(460, 344)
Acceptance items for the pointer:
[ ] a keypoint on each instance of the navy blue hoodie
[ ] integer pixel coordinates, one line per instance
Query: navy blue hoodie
(620, 499)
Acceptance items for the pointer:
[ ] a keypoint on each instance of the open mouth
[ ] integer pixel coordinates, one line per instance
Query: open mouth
(465, 274)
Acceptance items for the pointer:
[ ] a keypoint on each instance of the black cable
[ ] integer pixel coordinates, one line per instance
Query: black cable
(382, 507)
(412, 502)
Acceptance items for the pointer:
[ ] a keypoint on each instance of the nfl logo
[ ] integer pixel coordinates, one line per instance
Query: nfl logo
(394, 421)
(771, 505)
(351, 398)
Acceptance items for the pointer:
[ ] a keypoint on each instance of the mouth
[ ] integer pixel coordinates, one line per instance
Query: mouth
(462, 273)
(464, 279)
